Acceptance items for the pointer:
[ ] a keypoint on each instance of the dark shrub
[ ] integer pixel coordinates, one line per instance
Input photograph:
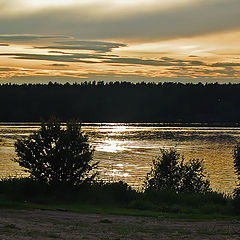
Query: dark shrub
(55, 155)
(170, 173)
(114, 193)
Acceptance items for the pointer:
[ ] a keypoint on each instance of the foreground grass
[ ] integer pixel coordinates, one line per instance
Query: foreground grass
(115, 198)
(83, 208)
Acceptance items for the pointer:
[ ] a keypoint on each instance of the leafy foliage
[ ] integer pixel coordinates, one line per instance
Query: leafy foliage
(55, 155)
(169, 172)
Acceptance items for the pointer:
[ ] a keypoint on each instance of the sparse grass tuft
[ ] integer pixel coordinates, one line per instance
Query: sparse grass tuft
(105, 221)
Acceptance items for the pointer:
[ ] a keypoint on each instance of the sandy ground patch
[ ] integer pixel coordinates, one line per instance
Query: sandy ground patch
(44, 224)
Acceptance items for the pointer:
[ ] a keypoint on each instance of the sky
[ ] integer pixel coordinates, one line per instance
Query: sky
(119, 40)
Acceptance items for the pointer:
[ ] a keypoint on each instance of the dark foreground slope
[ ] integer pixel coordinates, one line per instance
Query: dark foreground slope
(122, 102)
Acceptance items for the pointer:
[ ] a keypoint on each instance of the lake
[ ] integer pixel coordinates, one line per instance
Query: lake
(125, 151)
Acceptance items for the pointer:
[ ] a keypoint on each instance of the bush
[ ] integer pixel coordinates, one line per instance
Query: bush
(54, 155)
(108, 193)
(170, 173)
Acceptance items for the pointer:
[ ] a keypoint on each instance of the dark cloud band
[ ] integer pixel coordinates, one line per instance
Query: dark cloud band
(80, 57)
(97, 46)
(195, 18)
(27, 37)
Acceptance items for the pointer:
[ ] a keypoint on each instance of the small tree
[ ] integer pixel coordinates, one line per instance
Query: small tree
(169, 172)
(55, 155)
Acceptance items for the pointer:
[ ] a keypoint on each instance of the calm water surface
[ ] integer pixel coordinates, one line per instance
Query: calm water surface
(125, 151)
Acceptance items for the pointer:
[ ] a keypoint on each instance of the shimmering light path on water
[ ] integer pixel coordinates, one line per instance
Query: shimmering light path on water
(125, 151)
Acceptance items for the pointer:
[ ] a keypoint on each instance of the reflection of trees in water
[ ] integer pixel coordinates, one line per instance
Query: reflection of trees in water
(99, 132)
(213, 145)
(169, 135)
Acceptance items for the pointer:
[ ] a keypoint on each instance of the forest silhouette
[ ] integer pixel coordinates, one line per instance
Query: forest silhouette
(122, 102)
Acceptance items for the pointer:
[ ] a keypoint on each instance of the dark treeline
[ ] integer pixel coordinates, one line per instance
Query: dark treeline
(122, 102)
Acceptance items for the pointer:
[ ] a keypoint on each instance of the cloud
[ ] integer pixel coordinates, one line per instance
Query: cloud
(164, 62)
(57, 58)
(7, 69)
(102, 58)
(191, 19)
(197, 63)
(58, 52)
(205, 72)
(97, 46)
(114, 59)
(226, 64)
(58, 65)
(27, 37)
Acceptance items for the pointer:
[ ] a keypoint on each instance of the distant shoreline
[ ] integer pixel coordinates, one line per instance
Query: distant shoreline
(133, 124)
(172, 104)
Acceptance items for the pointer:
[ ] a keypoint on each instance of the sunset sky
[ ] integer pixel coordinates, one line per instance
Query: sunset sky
(119, 40)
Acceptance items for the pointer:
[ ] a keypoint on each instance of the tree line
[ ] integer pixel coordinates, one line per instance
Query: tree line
(122, 102)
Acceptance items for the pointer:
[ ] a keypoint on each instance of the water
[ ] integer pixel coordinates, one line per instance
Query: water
(125, 151)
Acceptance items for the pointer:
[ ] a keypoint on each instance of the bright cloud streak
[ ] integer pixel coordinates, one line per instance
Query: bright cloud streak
(46, 3)
(136, 3)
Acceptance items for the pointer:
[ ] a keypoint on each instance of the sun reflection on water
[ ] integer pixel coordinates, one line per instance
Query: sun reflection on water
(126, 151)
(113, 146)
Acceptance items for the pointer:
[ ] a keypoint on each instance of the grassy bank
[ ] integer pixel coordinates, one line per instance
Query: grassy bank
(115, 198)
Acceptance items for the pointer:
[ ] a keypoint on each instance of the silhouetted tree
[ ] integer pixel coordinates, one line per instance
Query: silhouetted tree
(57, 155)
(169, 172)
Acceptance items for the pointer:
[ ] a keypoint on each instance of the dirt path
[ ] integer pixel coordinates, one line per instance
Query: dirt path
(41, 224)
